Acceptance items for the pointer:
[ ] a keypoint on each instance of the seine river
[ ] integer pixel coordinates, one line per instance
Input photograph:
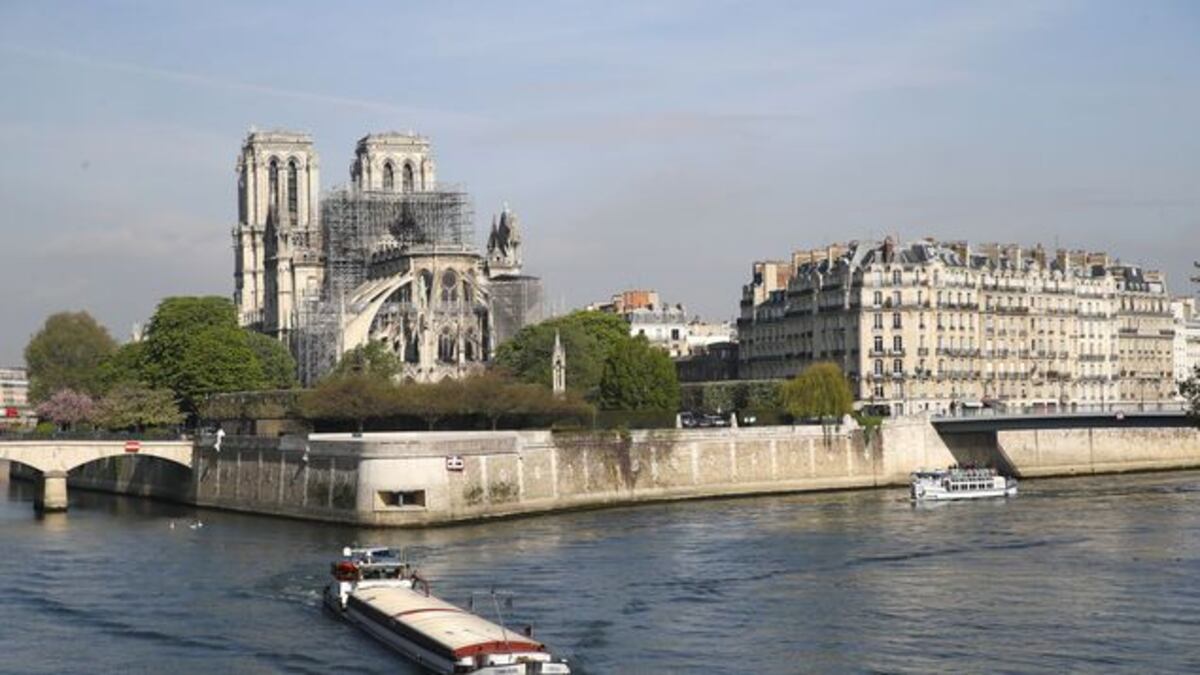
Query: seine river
(1088, 574)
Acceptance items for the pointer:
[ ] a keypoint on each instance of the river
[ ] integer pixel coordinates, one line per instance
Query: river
(1085, 574)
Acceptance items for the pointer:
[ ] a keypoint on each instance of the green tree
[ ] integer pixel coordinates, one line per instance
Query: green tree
(587, 337)
(135, 407)
(275, 361)
(821, 392)
(639, 377)
(354, 397)
(194, 347)
(372, 358)
(66, 354)
(126, 365)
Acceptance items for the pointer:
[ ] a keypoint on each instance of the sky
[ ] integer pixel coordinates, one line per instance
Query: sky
(648, 144)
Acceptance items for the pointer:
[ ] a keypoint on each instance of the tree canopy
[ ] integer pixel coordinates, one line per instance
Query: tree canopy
(372, 358)
(1190, 390)
(132, 406)
(66, 354)
(277, 365)
(604, 363)
(639, 377)
(67, 408)
(194, 347)
(821, 392)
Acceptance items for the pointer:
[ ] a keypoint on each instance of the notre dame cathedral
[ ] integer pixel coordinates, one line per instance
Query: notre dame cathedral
(388, 258)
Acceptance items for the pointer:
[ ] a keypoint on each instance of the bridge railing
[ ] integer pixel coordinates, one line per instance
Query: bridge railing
(1177, 407)
(93, 435)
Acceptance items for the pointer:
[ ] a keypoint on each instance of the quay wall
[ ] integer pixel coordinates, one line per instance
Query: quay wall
(426, 478)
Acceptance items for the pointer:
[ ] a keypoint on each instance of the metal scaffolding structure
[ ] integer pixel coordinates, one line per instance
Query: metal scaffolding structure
(359, 228)
(357, 224)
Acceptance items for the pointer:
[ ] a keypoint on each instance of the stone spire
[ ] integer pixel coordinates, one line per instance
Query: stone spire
(558, 366)
(504, 245)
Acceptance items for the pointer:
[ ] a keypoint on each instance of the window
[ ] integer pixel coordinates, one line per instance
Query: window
(878, 298)
(389, 177)
(878, 343)
(293, 200)
(898, 343)
(896, 277)
(446, 348)
(449, 286)
(408, 177)
(896, 298)
(895, 319)
(395, 499)
(897, 367)
(879, 368)
(273, 185)
(879, 321)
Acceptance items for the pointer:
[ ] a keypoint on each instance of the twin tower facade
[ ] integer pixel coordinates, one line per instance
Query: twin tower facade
(389, 258)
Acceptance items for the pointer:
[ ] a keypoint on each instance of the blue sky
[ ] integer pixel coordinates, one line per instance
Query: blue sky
(647, 144)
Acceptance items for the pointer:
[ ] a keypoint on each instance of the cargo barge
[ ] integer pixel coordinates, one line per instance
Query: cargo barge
(386, 597)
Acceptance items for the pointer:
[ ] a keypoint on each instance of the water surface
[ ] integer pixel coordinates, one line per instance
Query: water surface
(1085, 574)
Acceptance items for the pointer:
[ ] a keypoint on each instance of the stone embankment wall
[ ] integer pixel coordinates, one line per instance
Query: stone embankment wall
(409, 479)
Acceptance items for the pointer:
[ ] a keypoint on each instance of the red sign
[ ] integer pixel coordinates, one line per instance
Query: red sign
(11, 412)
(132, 446)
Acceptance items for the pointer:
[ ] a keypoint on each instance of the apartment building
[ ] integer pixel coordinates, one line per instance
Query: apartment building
(937, 326)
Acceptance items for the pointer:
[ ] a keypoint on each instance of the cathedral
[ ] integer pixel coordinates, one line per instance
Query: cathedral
(388, 258)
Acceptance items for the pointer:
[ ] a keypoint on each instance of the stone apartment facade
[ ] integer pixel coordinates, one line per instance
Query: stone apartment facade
(938, 325)
(665, 326)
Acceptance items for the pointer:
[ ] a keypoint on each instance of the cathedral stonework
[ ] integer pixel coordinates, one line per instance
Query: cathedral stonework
(388, 258)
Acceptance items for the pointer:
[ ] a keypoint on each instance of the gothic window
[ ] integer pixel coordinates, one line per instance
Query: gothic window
(467, 294)
(293, 200)
(273, 185)
(389, 177)
(408, 177)
(427, 284)
(242, 196)
(449, 286)
(446, 347)
(424, 177)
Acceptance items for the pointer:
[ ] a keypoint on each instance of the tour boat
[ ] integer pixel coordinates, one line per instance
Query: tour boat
(375, 589)
(960, 483)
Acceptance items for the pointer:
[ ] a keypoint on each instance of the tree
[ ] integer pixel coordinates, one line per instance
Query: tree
(1190, 389)
(355, 397)
(66, 354)
(134, 407)
(373, 358)
(278, 368)
(126, 365)
(194, 347)
(67, 408)
(639, 377)
(821, 392)
(587, 337)
(431, 402)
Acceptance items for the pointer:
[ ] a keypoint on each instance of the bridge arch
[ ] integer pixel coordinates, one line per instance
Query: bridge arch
(55, 458)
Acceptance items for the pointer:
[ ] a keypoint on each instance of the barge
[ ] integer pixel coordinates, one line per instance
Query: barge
(384, 595)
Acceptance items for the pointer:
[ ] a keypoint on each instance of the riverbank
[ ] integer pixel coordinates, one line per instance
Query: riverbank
(429, 478)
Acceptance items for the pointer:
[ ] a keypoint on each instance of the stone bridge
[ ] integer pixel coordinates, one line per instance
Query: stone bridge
(54, 458)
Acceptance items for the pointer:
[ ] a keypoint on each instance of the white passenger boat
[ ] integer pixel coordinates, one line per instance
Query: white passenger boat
(959, 483)
(383, 594)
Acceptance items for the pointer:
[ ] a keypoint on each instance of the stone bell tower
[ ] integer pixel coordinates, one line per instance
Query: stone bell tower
(393, 162)
(275, 239)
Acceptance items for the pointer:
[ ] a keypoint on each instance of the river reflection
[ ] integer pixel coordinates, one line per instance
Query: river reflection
(1079, 574)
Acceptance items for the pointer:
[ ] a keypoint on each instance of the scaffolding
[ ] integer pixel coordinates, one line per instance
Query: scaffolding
(357, 224)
(356, 227)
